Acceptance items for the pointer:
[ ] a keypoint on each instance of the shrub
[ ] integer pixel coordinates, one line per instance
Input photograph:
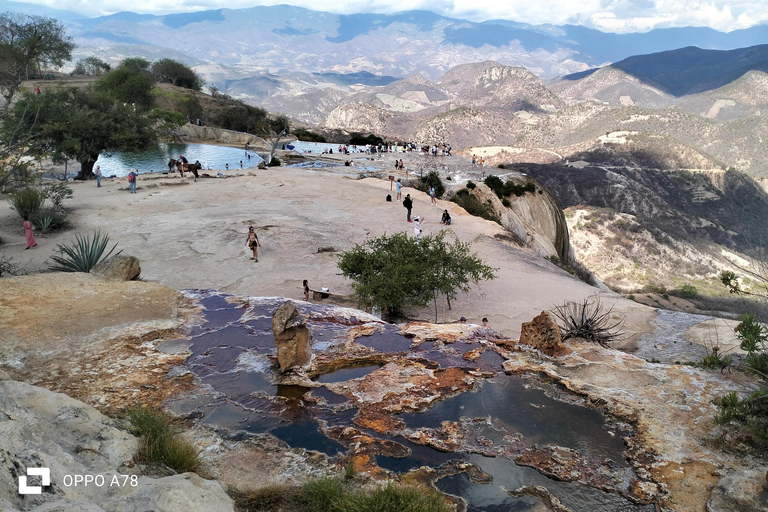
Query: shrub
(475, 207)
(308, 135)
(83, 255)
(56, 193)
(27, 201)
(687, 291)
(505, 202)
(49, 220)
(588, 320)
(750, 412)
(471, 185)
(161, 443)
(432, 179)
(275, 162)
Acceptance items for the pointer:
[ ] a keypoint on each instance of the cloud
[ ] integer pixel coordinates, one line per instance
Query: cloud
(606, 15)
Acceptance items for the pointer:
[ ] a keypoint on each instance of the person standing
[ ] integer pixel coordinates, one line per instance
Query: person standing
(97, 173)
(399, 190)
(408, 205)
(432, 195)
(132, 176)
(29, 231)
(417, 226)
(253, 242)
(306, 290)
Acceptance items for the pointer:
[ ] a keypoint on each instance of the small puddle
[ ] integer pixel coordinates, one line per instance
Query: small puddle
(512, 407)
(346, 374)
(387, 341)
(508, 475)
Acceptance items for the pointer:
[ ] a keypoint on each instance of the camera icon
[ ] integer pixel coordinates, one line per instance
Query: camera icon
(44, 473)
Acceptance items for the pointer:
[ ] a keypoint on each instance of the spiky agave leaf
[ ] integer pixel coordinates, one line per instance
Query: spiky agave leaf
(83, 255)
(588, 320)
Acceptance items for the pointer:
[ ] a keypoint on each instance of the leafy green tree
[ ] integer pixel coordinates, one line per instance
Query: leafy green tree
(27, 45)
(129, 83)
(77, 125)
(396, 271)
(176, 73)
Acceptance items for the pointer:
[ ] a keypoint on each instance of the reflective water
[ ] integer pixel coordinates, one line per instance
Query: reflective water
(233, 355)
(156, 160)
(667, 344)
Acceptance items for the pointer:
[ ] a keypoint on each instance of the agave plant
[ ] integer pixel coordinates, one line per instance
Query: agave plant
(83, 255)
(588, 320)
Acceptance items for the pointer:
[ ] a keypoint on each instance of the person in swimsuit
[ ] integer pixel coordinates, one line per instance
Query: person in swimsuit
(253, 242)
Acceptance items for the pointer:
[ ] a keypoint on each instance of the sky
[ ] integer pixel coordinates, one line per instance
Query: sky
(619, 16)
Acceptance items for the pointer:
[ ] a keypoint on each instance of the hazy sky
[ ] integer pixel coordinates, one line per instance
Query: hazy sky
(606, 15)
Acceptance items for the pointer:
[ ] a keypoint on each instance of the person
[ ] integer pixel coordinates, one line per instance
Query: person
(29, 231)
(132, 176)
(241, 164)
(37, 89)
(432, 195)
(226, 166)
(446, 218)
(417, 226)
(97, 173)
(462, 320)
(408, 205)
(253, 242)
(399, 190)
(485, 322)
(306, 290)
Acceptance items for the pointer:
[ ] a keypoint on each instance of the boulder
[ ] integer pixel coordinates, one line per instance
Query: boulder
(42, 429)
(119, 268)
(745, 491)
(292, 337)
(543, 333)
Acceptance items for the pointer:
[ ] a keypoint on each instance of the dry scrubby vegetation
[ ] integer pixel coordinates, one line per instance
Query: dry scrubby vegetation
(340, 495)
(162, 446)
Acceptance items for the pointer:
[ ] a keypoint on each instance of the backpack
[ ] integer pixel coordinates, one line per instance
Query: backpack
(131, 177)
(389, 198)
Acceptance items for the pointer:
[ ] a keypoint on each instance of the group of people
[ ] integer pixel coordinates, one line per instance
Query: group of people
(417, 220)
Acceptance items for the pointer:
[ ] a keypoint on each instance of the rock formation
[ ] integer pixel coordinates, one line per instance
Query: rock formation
(119, 268)
(543, 333)
(42, 429)
(294, 343)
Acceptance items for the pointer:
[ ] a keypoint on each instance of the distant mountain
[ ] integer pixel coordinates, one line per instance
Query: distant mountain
(689, 70)
(41, 10)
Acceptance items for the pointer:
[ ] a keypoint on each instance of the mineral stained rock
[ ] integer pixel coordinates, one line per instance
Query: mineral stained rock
(119, 268)
(543, 334)
(292, 338)
(743, 490)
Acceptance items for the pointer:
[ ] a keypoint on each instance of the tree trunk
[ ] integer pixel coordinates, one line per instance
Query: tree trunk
(86, 170)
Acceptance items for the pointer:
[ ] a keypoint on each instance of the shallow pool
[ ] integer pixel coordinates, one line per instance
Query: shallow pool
(215, 158)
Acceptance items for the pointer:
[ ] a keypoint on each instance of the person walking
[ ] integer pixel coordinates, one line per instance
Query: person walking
(97, 173)
(253, 242)
(432, 196)
(408, 205)
(132, 176)
(29, 231)
(399, 190)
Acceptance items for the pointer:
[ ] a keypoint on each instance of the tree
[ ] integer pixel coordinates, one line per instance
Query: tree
(68, 123)
(396, 271)
(129, 83)
(27, 45)
(91, 66)
(176, 73)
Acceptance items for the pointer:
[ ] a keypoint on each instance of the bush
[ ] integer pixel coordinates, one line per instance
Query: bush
(83, 255)
(161, 443)
(588, 320)
(334, 495)
(750, 412)
(432, 179)
(474, 206)
(471, 185)
(275, 162)
(687, 291)
(505, 203)
(505, 189)
(307, 135)
(49, 220)
(27, 202)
